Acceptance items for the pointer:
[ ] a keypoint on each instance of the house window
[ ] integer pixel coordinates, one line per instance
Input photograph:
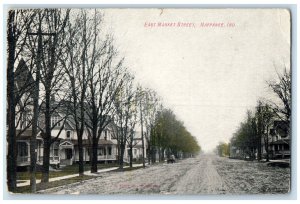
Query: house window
(24, 121)
(26, 118)
(104, 151)
(109, 150)
(55, 152)
(100, 151)
(68, 134)
(55, 147)
(55, 121)
(105, 134)
(22, 149)
(108, 135)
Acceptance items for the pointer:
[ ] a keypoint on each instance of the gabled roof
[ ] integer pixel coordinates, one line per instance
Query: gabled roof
(23, 77)
(280, 124)
(281, 128)
(66, 143)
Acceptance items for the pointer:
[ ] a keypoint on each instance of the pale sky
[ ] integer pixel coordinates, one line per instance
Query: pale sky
(209, 76)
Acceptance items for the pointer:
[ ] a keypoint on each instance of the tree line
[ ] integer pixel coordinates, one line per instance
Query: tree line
(256, 131)
(170, 135)
(63, 60)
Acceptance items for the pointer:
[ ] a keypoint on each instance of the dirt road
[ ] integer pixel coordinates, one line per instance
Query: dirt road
(206, 174)
(203, 178)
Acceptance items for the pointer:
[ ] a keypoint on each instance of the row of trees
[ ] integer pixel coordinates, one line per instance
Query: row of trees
(222, 149)
(62, 60)
(169, 134)
(255, 131)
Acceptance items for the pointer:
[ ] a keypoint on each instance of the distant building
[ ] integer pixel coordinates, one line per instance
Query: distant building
(137, 147)
(280, 142)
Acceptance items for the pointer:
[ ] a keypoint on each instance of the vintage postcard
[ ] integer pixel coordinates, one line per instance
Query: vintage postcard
(151, 101)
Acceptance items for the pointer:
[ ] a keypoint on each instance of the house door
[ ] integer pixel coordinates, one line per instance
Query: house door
(69, 153)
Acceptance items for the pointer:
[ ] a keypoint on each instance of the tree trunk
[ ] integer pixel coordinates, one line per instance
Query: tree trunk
(122, 156)
(47, 138)
(119, 151)
(148, 147)
(259, 149)
(11, 114)
(130, 156)
(267, 150)
(46, 161)
(12, 147)
(159, 154)
(80, 150)
(149, 153)
(153, 157)
(80, 145)
(94, 162)
(162, 154)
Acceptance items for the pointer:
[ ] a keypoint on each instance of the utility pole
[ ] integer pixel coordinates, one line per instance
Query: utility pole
(142, 134)
(33, 143)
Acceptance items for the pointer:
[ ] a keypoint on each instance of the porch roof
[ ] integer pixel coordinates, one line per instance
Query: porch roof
(88, 143)
(280, 142)
(26, 135)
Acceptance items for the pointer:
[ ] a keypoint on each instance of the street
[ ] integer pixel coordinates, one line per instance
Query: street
(206, 174)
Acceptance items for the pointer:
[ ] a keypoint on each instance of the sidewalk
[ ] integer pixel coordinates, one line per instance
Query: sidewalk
(88, 173)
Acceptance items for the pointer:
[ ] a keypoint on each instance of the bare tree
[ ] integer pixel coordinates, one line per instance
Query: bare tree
(77, 62)
(140, 94)
(106, 73)
(158, 134)
(35, 104)
(19, 21)
(266, 118)
(133, 119)
(50, 29)
(282, 88)
(100, 98)
(125, 116)
(150, 106)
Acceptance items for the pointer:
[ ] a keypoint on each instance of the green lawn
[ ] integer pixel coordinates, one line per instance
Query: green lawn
(67, 170)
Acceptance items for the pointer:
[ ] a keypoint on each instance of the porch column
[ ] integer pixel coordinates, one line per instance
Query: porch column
(28, 151)
(73, 159)
(84, 156)
(38, 151)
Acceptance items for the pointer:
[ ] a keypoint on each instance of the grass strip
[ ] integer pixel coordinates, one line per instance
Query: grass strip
(52, 184)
